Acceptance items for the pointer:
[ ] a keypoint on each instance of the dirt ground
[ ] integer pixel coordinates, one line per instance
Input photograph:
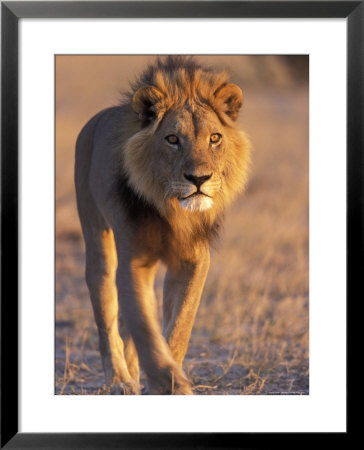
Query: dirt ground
(251, 330)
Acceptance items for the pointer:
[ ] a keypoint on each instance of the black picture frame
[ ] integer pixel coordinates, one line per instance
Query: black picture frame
(11, 12)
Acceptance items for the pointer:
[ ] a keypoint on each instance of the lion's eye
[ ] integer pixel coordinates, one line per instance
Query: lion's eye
(172, 139)
(215, 138)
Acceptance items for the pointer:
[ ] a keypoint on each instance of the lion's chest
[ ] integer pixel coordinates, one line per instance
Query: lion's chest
(167, 242)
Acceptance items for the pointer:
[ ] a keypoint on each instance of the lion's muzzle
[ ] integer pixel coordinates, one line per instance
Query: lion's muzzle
(197, 180)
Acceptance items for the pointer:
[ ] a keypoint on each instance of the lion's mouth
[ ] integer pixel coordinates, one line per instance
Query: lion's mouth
(195, 194)
(198, 201)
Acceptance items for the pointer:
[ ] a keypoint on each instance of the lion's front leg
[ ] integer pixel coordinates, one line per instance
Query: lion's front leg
(135, 287)
(182, 292)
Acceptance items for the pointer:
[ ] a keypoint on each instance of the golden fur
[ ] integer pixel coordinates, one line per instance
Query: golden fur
(152, 179)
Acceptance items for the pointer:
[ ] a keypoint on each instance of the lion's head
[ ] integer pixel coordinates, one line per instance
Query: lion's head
(187, 154)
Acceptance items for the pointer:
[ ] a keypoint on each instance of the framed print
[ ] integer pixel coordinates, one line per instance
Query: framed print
(268, 349)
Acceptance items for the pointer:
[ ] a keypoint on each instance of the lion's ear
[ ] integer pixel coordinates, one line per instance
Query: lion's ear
(230, 99)
(146, 102)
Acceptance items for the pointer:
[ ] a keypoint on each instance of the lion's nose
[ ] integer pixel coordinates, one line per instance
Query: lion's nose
(197, 180)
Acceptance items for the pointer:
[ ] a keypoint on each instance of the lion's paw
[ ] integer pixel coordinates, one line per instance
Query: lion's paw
(171, 382)
(130, 388)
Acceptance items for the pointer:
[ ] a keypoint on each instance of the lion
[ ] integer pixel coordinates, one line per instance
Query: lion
(153, 177)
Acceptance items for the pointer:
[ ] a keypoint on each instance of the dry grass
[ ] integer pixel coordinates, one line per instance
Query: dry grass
(251, 332)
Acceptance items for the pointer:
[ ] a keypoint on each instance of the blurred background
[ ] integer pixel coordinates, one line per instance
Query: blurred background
(251, 330)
